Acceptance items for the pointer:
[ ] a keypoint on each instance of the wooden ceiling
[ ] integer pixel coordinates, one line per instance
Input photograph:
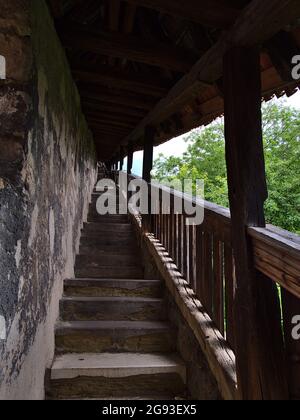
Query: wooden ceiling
(159, 62)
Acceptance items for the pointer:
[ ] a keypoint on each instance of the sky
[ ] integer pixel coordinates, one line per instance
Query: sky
(177, 146)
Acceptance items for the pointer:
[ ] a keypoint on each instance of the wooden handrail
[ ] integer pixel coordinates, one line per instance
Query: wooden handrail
(198, 265)
(276, 251)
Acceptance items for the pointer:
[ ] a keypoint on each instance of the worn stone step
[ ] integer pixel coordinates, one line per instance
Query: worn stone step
(113, 272)
(125, 241)
(112, 309)
(112, 248)
(114, 234)
(128, 260)
(113, 288)
(114, 336)
(116, 375)
(94, 217)
(107, 227)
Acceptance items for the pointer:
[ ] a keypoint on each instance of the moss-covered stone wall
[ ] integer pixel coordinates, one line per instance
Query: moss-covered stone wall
(47, 172)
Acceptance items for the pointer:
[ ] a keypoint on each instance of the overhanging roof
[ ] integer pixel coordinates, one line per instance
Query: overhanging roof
(159, 62)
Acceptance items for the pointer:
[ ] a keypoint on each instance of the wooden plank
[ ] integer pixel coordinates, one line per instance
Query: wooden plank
(207, 12)
(259, 354)
(130, 159)
(230, 286)
(218, 289)
(291, 309)
(258, 22)
(113, 78)
(199, 262)
(147, 168)
(126, 46)
(184, 249)
(116, 96)
(114, 14)
(112, 108)
(192, 261)
(207, 275)
(91, 113)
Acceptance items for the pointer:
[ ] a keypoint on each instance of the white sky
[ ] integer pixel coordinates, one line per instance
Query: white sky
(177, 146)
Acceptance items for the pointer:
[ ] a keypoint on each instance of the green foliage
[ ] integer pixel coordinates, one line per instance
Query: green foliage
(205, 159)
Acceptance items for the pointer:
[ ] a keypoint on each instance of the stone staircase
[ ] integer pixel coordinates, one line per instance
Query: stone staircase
(113, 340)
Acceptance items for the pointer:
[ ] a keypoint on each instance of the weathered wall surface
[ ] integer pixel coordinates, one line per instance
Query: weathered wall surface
(47, 172)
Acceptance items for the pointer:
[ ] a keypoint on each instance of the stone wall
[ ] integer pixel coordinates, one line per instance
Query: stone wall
(47, 172)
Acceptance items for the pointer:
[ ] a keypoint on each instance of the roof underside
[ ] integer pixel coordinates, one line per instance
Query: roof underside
(152, 62)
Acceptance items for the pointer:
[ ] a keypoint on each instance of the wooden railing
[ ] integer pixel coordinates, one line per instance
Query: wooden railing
(203, 255)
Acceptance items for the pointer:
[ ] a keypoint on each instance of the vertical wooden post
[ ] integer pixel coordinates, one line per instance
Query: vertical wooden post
(130, 159)
(147, 168)
(148, 153)
(259, 341)
(121, 158)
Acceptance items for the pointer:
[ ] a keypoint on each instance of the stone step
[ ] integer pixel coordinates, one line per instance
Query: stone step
(127, 260)
(111, 228)
(109, 218)
(123, 241)
(108, 375)
(115, 234)
(113, 249)
(112, 309)
(112, 272)
(113, 288)
(114, 337)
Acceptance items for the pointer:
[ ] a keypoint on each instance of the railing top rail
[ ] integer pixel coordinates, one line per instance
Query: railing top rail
(277, 251)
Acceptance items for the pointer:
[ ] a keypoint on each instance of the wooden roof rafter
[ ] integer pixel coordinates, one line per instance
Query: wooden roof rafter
(124, 46)
(256, 24)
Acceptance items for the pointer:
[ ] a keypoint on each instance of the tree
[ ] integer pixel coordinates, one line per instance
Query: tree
(205, 159)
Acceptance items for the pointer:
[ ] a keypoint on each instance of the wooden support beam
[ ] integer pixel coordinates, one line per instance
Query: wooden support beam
(115, 96)
(147, 168)
(110, 122)
(56, 8)
(99, 106)
(130, 159)
(114, 14)
(126, 46)
(148, 153)
(90, 112)
(259, 341)
(113, 78)
(257, 23)
(207, 12)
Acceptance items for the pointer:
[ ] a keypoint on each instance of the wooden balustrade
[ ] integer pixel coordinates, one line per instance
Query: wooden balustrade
(204, 256)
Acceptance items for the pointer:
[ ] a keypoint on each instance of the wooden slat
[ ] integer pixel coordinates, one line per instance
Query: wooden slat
(207, 12)
(126, 46)
(199, 262)
(207, 275)
(257, 23)
(112, 108)
(218, 285)
(230, 286)
(113, 78)
(220, 357)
